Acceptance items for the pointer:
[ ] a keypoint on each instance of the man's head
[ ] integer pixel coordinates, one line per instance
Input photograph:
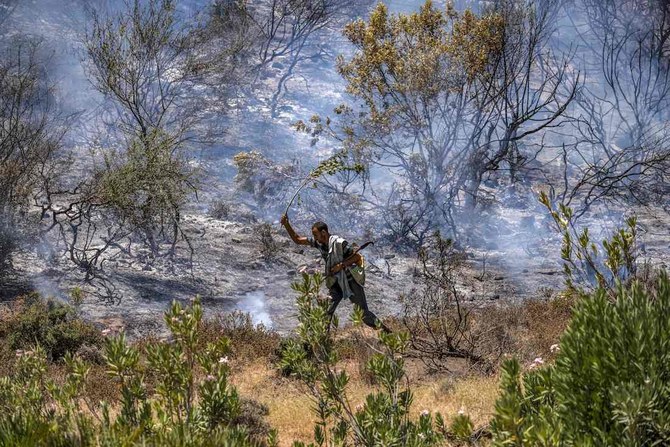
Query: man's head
(320, 232)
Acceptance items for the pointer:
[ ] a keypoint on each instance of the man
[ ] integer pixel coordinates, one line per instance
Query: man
(339, 260)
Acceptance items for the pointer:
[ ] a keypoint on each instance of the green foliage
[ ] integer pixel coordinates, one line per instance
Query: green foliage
(138, 58)
(585, 266)
(461, 428)
(609, 385)
(334, 164)
(421, 54)
(384, 417)
(338, 163)
(77, 296)
(191, 404)
(35, 410)
(149, 183)
(53, 325)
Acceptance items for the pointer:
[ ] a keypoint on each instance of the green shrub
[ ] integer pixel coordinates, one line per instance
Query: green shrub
(191, 403)
(609, 384)
(588, 265)
(55, 326)
(384, 417)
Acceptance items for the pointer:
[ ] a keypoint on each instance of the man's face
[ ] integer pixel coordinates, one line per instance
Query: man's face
(320, 236)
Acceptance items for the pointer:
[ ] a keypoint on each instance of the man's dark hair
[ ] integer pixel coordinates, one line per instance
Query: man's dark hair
(320, 226)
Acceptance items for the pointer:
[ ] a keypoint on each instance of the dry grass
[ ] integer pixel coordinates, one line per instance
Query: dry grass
(248, 341)
(291, 408)
(475, 395)
(525, 331)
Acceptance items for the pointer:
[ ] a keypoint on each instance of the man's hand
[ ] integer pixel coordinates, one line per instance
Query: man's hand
(284, 219)
(336, 268)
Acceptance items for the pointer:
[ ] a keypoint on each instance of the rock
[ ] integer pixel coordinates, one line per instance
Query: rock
(291, 272)
(299, 251)
(147, 268)
(237, 240)
(246, 230)
(498, 278)
(494, 297)
(391, 256)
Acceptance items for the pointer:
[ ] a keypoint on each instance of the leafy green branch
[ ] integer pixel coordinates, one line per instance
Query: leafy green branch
(585, 265)
(383, 418)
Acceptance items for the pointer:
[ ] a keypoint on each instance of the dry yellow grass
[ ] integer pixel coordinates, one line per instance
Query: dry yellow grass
(291, 409)
(474, 395)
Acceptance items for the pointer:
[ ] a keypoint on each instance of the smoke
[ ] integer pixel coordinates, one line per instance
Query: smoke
(47, 287)
(254, 303)
(518, 232)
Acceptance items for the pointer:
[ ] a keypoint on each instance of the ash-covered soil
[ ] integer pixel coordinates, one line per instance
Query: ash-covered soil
(511, 251)
(516, 257)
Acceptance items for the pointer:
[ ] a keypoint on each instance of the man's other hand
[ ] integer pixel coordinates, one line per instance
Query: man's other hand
(284, 219)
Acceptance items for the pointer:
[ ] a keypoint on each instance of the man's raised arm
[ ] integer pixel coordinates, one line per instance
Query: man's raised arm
(300, 240)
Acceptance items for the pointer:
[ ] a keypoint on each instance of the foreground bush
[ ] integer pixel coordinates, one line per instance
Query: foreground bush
(384, 417)
(54, 325)
(191, 404)
(610, 383)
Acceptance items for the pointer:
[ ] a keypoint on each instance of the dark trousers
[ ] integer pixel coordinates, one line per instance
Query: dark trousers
(357, 298)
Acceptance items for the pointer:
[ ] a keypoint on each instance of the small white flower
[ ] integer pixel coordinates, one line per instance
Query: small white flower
(359, 407)
(106, 331)
(223, 360)
(175, 320)
(461, 411)
(425, 413)
(19, 352)
(554, 348)
(538, 361)
(210, 377)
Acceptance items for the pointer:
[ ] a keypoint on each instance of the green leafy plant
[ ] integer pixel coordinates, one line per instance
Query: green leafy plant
(383, 419)
(189, 402)
(53, 325)
(609, 384)
(330, 166)
(587, 266)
